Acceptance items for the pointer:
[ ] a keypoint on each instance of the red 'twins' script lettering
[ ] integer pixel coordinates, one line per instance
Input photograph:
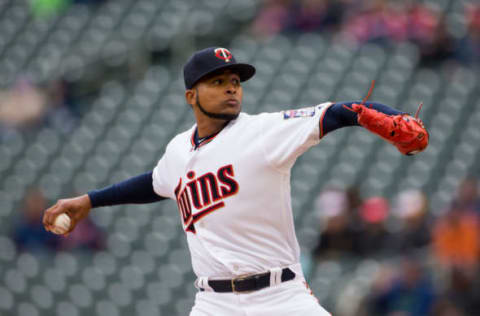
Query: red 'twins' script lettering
(205, 194)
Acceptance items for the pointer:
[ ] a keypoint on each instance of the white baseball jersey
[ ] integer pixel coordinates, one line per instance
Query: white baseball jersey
(233, 192)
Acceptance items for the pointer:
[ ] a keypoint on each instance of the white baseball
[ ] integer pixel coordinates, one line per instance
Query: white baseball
(61, 224)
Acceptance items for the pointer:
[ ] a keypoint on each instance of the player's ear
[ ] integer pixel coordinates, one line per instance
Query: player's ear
(190, 96)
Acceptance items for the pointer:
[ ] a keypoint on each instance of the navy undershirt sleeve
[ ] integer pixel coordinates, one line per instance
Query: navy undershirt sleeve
(136, 190)
(337, 116)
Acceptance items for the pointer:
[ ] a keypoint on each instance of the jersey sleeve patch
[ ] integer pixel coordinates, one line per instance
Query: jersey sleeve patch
(304, 112)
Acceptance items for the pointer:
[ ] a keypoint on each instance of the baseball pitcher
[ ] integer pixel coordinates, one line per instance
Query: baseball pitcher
(230, 177)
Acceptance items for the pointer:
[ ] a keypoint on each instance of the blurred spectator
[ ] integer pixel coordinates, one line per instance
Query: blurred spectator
(422, 23)
(28, 231)
(315, 15)
(23, 106)
(456, 235)
(61, 106)
(373, 238)
(86, 236)
(384, 21)
(456, 246)
(278, 16)
(354, 201)
(26, 106)
(379, 21)
(464, 289)
(30, 235)
(408, 292)
(337, 236)
(444, 307)
(272, 18)
(48, 8)
(467, 196)
(456, 238)
(411, 211)
(438, 47)
(353, 227)
(468, 50)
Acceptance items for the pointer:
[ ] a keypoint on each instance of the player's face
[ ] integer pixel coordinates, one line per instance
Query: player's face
(219, 96)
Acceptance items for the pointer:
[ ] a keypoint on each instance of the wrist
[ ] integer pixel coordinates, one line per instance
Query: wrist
(86, 201)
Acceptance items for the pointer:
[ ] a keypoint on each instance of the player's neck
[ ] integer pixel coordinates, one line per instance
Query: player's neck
(208, 127)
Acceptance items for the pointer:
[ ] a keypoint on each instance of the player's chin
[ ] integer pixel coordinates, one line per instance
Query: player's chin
(230, 115)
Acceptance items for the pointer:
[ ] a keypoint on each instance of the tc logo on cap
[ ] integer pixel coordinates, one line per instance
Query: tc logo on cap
(223, 53)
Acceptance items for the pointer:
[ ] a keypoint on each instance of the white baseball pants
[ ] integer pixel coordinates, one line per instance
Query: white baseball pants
(289, 298)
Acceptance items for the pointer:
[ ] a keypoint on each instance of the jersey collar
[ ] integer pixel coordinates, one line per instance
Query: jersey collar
(199, 142)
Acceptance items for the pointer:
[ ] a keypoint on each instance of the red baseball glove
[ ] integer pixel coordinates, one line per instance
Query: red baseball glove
(405, 132)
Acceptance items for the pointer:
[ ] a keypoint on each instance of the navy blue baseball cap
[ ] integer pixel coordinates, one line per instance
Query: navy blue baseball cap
(212, 59)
